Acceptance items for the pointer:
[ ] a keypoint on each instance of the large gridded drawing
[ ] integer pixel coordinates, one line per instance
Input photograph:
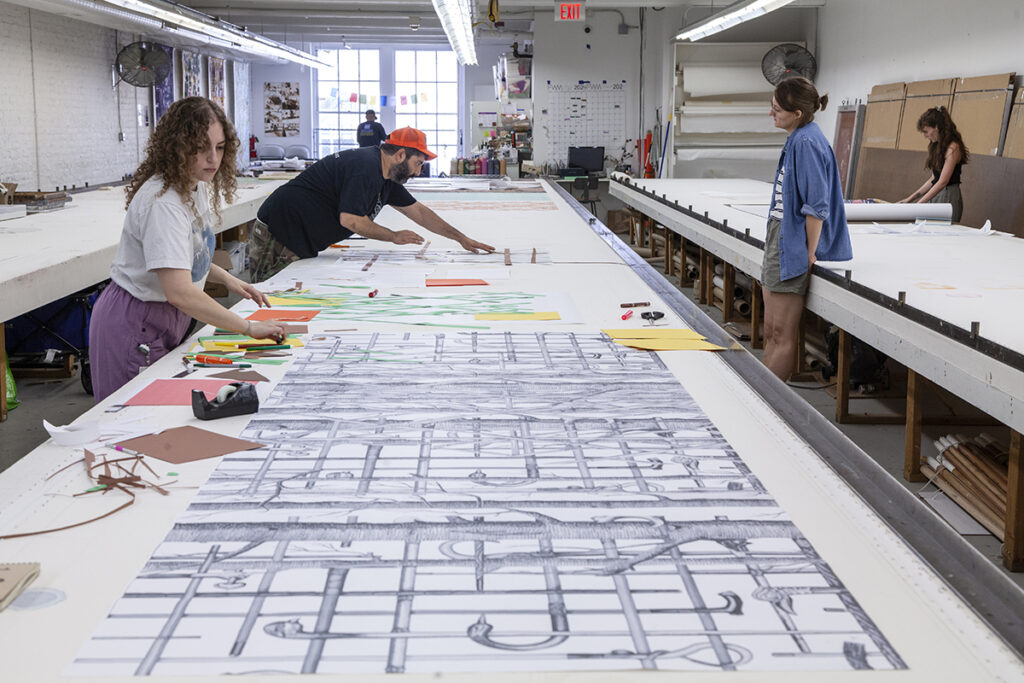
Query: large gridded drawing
(586, 114)
(483, 502)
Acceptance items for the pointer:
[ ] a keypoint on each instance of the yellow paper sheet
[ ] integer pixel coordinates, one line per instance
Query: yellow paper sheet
(312, 302)
(670, 344)
(546, 315)
(232, 345)
(653, 333)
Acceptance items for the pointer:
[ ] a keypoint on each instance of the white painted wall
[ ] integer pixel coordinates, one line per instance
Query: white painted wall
(59, 113)
(564, 54)
(866, 42)
(272, 73)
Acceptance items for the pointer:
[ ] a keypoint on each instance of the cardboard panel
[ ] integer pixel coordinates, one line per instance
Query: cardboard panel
(910, 138)
(882, 115)
(939, 86)
(979, 110)
(979, 116)
(990, 185)
(1014, 145)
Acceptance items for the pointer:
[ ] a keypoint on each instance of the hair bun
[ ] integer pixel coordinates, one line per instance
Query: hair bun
(823, 102)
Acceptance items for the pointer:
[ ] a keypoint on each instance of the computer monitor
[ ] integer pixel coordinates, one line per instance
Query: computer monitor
(590, 159)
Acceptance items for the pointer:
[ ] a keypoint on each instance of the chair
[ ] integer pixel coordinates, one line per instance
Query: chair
(300, 151)
(587, 184)
(267, 151)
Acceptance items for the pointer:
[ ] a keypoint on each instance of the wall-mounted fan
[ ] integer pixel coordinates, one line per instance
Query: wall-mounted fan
(786, 60)
(142, 64)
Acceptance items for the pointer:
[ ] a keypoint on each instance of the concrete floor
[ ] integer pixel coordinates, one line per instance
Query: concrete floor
(61, 401)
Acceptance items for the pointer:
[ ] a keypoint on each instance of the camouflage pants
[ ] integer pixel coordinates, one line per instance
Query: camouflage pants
(267, 257)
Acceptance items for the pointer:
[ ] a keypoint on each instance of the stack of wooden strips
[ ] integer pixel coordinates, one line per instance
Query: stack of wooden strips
(973, 472)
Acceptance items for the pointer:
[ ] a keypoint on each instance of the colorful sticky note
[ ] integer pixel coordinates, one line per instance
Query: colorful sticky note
(273, 314)
(403, 99)
(454, 282)
(383, 100)
(362, 99)
(423, 97)
(542, 315)
(353, 97)
(414, 100)
(373, 100)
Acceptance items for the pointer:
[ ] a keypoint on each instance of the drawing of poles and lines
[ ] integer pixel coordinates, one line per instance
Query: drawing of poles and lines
(478, 501)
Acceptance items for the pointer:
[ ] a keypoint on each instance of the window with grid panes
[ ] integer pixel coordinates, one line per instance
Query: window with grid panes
(351, 72)
(427, 98)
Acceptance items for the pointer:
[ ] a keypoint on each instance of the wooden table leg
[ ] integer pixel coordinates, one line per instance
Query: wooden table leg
(3, 374)
(684, 272)
(728, 291)
(756, 338)
(1013, 541)
(916, 388)
(706, 274)
(843, 377)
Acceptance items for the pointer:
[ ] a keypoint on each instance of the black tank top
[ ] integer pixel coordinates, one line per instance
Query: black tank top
(953, 179)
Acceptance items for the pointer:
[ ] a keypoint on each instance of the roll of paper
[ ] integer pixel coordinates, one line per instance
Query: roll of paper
(897, 213)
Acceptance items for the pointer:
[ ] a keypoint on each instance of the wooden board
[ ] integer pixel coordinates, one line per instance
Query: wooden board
(1014, 145)
(922, 96)
(980, 110)
(882, 116)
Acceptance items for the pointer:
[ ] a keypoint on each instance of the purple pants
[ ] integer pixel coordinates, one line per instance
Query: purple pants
(120, 322)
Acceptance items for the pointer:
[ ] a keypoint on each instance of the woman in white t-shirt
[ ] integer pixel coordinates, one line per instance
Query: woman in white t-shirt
(166, 248)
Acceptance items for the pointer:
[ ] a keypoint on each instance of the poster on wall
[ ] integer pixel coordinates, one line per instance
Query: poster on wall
(240, 109)
(217, 93)
(192, 74)
(281, 109)
(163, 92)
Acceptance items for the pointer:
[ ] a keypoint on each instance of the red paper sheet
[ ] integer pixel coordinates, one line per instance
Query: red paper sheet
(175, 392)
(277, 314)
(454, 282)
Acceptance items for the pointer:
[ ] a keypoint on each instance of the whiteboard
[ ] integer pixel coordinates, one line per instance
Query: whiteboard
(586, 114)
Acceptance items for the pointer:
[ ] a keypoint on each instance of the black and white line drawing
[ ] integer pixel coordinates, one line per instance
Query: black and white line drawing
(483, 502)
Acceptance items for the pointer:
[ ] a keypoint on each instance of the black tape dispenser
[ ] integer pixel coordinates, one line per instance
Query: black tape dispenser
(237, 398)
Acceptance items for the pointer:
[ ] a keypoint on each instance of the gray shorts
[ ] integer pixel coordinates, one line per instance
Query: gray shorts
(770, 266)
(950, 194)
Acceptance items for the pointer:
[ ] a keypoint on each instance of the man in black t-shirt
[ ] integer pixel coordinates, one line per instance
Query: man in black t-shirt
(340, 195)
(370, 133)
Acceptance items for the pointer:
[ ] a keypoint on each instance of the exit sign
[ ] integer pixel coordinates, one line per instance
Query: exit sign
(570, 11)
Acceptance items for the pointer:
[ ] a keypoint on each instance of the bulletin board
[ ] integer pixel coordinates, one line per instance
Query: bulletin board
(586, 114)
(922, 96)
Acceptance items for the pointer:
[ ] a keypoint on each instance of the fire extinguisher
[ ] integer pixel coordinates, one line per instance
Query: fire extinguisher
(252, 146)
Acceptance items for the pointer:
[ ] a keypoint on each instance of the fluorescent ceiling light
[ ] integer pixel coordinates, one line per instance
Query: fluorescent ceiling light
(179, 17)
(457, 21)
(734, 14)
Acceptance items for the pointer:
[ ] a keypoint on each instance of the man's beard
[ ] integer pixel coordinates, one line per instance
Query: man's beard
(400, 173)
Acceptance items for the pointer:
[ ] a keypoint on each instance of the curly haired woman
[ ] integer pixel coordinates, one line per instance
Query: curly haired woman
(165, 254)
(947, 154)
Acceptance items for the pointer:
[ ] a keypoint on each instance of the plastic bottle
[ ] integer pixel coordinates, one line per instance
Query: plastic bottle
(454, 167)
(501, 167)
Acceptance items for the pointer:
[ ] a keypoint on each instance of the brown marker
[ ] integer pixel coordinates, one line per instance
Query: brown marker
(635, 304)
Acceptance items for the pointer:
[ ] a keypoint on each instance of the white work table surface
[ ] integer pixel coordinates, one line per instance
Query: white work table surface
(957, 274)
(87, 570)
(46, 256)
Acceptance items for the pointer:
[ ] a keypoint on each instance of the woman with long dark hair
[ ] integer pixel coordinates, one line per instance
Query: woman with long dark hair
(947, 154)
(807, 219)
(166, 249)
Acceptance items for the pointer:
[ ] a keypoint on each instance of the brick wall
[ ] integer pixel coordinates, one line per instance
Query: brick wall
(59, 113)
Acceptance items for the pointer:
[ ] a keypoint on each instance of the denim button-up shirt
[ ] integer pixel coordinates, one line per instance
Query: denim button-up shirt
(810, 187)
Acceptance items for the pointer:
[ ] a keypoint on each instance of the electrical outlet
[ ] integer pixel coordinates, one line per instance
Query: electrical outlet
(120, 137)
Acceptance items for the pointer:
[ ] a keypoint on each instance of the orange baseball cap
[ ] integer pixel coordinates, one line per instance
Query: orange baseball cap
(410, 137)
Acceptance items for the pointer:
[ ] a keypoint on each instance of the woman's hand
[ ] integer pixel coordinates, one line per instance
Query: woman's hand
(266, 329)
(475, 247)
(247, 291)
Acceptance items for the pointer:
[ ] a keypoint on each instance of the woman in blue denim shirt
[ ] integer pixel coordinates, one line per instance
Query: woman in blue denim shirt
(807, 220)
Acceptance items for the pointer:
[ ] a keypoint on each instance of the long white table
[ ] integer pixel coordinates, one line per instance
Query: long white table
(804, 543)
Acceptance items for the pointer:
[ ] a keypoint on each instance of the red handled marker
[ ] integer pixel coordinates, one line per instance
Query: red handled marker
(627, 315)
(372, 294)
